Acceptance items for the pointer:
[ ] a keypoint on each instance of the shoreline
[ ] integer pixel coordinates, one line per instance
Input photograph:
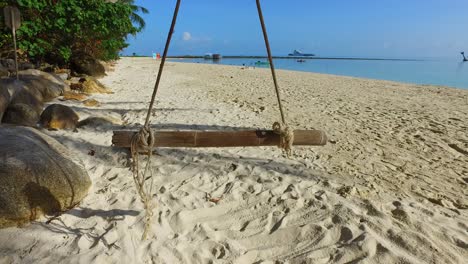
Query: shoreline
(345, 69)
(279, 57)
(390, 185)
(295, 58)
(325, 74)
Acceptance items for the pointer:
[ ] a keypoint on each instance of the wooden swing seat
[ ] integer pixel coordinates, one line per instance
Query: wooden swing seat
(204, 139)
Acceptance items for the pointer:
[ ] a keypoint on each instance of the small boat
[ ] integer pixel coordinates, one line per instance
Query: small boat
(262, 63)
(301, 60)
(217, 56)
(299, 53)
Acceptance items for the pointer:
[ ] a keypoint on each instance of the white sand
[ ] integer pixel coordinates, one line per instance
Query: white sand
(390, 186)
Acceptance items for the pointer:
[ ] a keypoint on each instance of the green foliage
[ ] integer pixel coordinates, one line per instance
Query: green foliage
(57, 30)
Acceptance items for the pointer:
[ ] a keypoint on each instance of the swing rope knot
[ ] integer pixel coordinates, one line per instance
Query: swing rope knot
(143, 140)
(286, 137)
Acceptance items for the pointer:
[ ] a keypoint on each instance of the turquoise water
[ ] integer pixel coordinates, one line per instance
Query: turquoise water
(445, 72)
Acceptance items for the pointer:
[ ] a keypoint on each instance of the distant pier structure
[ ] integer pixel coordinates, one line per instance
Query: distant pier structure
(212, 56)
(463, 54)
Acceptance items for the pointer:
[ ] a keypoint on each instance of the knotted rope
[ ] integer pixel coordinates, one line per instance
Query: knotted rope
(286, 137)
(285, 132)
(143, 141)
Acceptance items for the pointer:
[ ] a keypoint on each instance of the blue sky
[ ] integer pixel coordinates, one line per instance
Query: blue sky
(376, 28)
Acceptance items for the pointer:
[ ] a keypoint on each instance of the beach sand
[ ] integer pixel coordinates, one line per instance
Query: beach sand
(389, 187)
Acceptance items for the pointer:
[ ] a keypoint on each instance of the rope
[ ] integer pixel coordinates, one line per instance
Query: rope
(163, 60)
(285, 132)
(144, 139)
(286, 137)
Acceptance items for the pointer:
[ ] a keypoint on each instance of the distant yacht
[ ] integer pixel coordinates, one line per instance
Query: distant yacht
(299, 53)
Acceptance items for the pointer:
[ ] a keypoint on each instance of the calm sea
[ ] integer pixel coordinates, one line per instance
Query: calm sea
(445, 72)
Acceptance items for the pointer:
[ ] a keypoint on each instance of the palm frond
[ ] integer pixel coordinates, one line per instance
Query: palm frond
(143, 10)
(135, 17)
(138, 20)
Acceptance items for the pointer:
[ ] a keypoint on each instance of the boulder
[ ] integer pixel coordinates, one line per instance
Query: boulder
(25, 105)
(21, 114)
(85, 64)
(59, 116)
(26, 94)
(48, 84)
(38, 176)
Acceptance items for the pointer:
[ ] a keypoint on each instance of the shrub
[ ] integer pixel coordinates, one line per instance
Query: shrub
(56, 30)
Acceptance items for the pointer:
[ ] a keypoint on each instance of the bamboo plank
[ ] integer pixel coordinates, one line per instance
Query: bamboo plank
(203, 139)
